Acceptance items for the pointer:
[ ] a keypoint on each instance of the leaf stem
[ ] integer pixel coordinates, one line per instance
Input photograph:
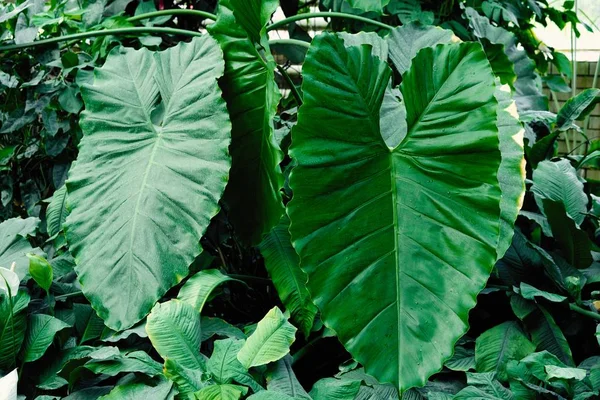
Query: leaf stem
(326, 14)
(585, 312)
(294, 42)
(290, 83)
(174, 11)
(68, 295)
(107, 32)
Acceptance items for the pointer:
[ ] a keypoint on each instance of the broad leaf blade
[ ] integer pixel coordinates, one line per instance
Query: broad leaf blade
(381, 232)
(13, 324)
(174, 330)
(283, 265)
(41, 330)
(270, 341)
(252, 195)
(56, 213)
(196, 291)
(139, 164)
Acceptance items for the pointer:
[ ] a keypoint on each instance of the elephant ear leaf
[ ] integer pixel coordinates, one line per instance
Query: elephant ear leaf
(156, 133)
(252, 197)
(382, 231)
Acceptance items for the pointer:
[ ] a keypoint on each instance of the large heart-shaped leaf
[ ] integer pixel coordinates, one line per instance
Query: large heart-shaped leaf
(252, 195)
(156, 132)
(381, 231)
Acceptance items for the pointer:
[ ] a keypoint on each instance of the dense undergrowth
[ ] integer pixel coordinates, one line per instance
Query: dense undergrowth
(398, 225)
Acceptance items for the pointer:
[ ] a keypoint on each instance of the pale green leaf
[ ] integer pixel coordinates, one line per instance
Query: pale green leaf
(270, 341)
(40, 270)
(334, 389)
(174, 329)
(225, 367)
(281, 379)
(141, 160)
(186, 380)
(555, 372)
(197, 290)
(221, 392)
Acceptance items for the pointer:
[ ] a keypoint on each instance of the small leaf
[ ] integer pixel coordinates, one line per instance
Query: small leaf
(216, 326)
(577, 108)
(197, 290)
(283, 265)
(281, 379)
(187, 380)
(136, 361)
(221, 392)
(225, 367)
(500, 344)
(57, 212)
(41, 330)
(334, 389)
(270, 341)
(40, 270)
(558, 181)
(555, 372)
(530, 293)
(158, 389)
(174, 329)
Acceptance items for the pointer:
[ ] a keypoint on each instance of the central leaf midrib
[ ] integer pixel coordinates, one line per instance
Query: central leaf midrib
(396, 260)
(146, 171)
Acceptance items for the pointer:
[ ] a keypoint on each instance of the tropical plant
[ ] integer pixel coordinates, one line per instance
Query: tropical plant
(163, 202)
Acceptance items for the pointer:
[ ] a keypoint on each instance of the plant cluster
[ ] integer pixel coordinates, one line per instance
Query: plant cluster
(398, 226)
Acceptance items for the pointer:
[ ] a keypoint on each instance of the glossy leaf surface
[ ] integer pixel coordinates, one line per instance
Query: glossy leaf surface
(382, 231)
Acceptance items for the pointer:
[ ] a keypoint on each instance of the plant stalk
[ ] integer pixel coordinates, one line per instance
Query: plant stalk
(294, 42)
(585, 312)
(174, 11)
(326, 14)
(290, 83)
(107, 32)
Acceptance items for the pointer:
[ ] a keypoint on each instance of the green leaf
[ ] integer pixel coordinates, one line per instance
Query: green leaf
(562, 63)
(462, 360)
(511, 174)
(575, 244)
(528, 91)
(186, 380)
(556, 84)
(13, 324)
(174, 329)
(111, 336)
(225, 367)
(41, 330)
(40, 270)
(558, 181)
(157, 136)
(136, 361)
(252, 196)
(197, 290)
(283, 265)
(216, 326)
(281, 379)
(221, 392)
(577, 108)
(334, 389)
(159, 389)
(369, 5)
(87, 323)
(555, 372)
(270, 341)
(406, 41)
(269, 395)
(14, 244)
(360, 209)
(484, 387)
(546, 335)
(56, 213)
(497, 346)
(530, 293)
